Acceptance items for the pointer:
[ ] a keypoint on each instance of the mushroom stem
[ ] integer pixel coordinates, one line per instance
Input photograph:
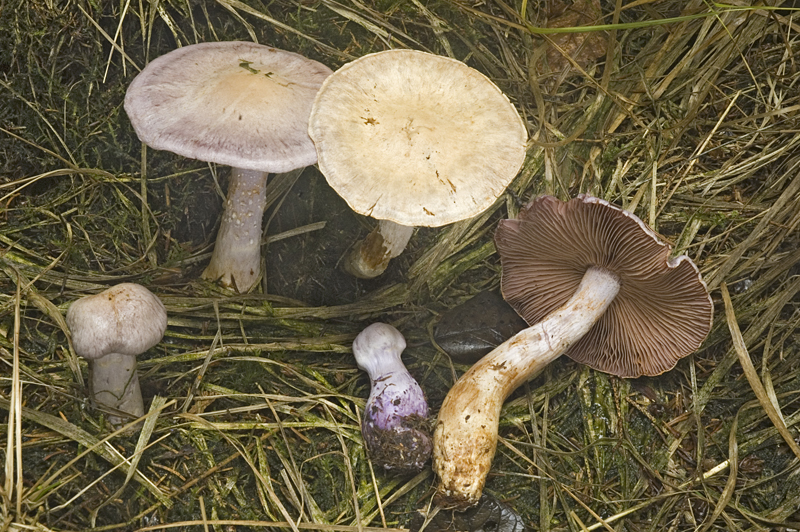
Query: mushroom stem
(115, 384)
(465, 438)
(371, 256)
(394, 428)
(236, 260)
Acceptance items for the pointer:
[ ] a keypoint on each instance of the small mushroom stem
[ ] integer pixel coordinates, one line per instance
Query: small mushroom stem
(371, 256)
(115, 384)
(236, 260)
(465, 438)
(394, 428)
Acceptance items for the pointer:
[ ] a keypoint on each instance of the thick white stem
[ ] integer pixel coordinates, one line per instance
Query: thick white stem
(236, 260)
(115, 384)
(371, 256)
(466, 432)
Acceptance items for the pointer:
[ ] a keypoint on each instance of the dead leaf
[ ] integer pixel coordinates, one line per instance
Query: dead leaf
(583, 47)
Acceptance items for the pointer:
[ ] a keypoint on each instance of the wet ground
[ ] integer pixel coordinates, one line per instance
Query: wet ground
(307, 267)
(489, 515)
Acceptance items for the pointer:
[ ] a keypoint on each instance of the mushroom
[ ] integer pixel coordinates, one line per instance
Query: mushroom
(413, 139)
(236, 103)
(395, 421)
(110, 329)
(595, 283)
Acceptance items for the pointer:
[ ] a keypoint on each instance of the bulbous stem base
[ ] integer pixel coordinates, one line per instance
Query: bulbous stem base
(371, 256)
(395, 425)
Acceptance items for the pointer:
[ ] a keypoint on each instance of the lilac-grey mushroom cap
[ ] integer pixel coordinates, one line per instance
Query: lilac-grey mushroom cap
(126, 319)
(236, 103)
(395, 427)
(662, 312)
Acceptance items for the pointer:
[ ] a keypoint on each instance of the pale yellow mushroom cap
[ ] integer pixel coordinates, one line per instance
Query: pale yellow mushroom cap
(416, 138)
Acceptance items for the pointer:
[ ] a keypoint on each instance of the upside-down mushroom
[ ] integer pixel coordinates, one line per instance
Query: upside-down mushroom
(594, 282)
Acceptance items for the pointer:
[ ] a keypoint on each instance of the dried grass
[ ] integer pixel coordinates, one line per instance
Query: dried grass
(691, 120)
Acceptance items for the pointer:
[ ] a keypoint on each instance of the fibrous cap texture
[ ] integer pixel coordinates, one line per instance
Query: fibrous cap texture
(416, 138)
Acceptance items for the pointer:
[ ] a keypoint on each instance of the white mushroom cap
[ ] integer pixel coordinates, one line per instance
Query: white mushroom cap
(377, 349)
(127, 319)
(415, 138)
(236, 103)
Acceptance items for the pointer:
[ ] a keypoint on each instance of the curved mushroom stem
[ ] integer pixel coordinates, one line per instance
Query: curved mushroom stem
(465, 438)
(371, 256)
(115, 384)
(236, 260)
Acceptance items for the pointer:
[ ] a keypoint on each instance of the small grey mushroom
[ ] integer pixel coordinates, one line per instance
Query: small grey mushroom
(110, 329)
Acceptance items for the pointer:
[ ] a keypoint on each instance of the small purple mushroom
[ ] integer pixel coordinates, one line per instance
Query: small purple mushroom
(395, 425)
